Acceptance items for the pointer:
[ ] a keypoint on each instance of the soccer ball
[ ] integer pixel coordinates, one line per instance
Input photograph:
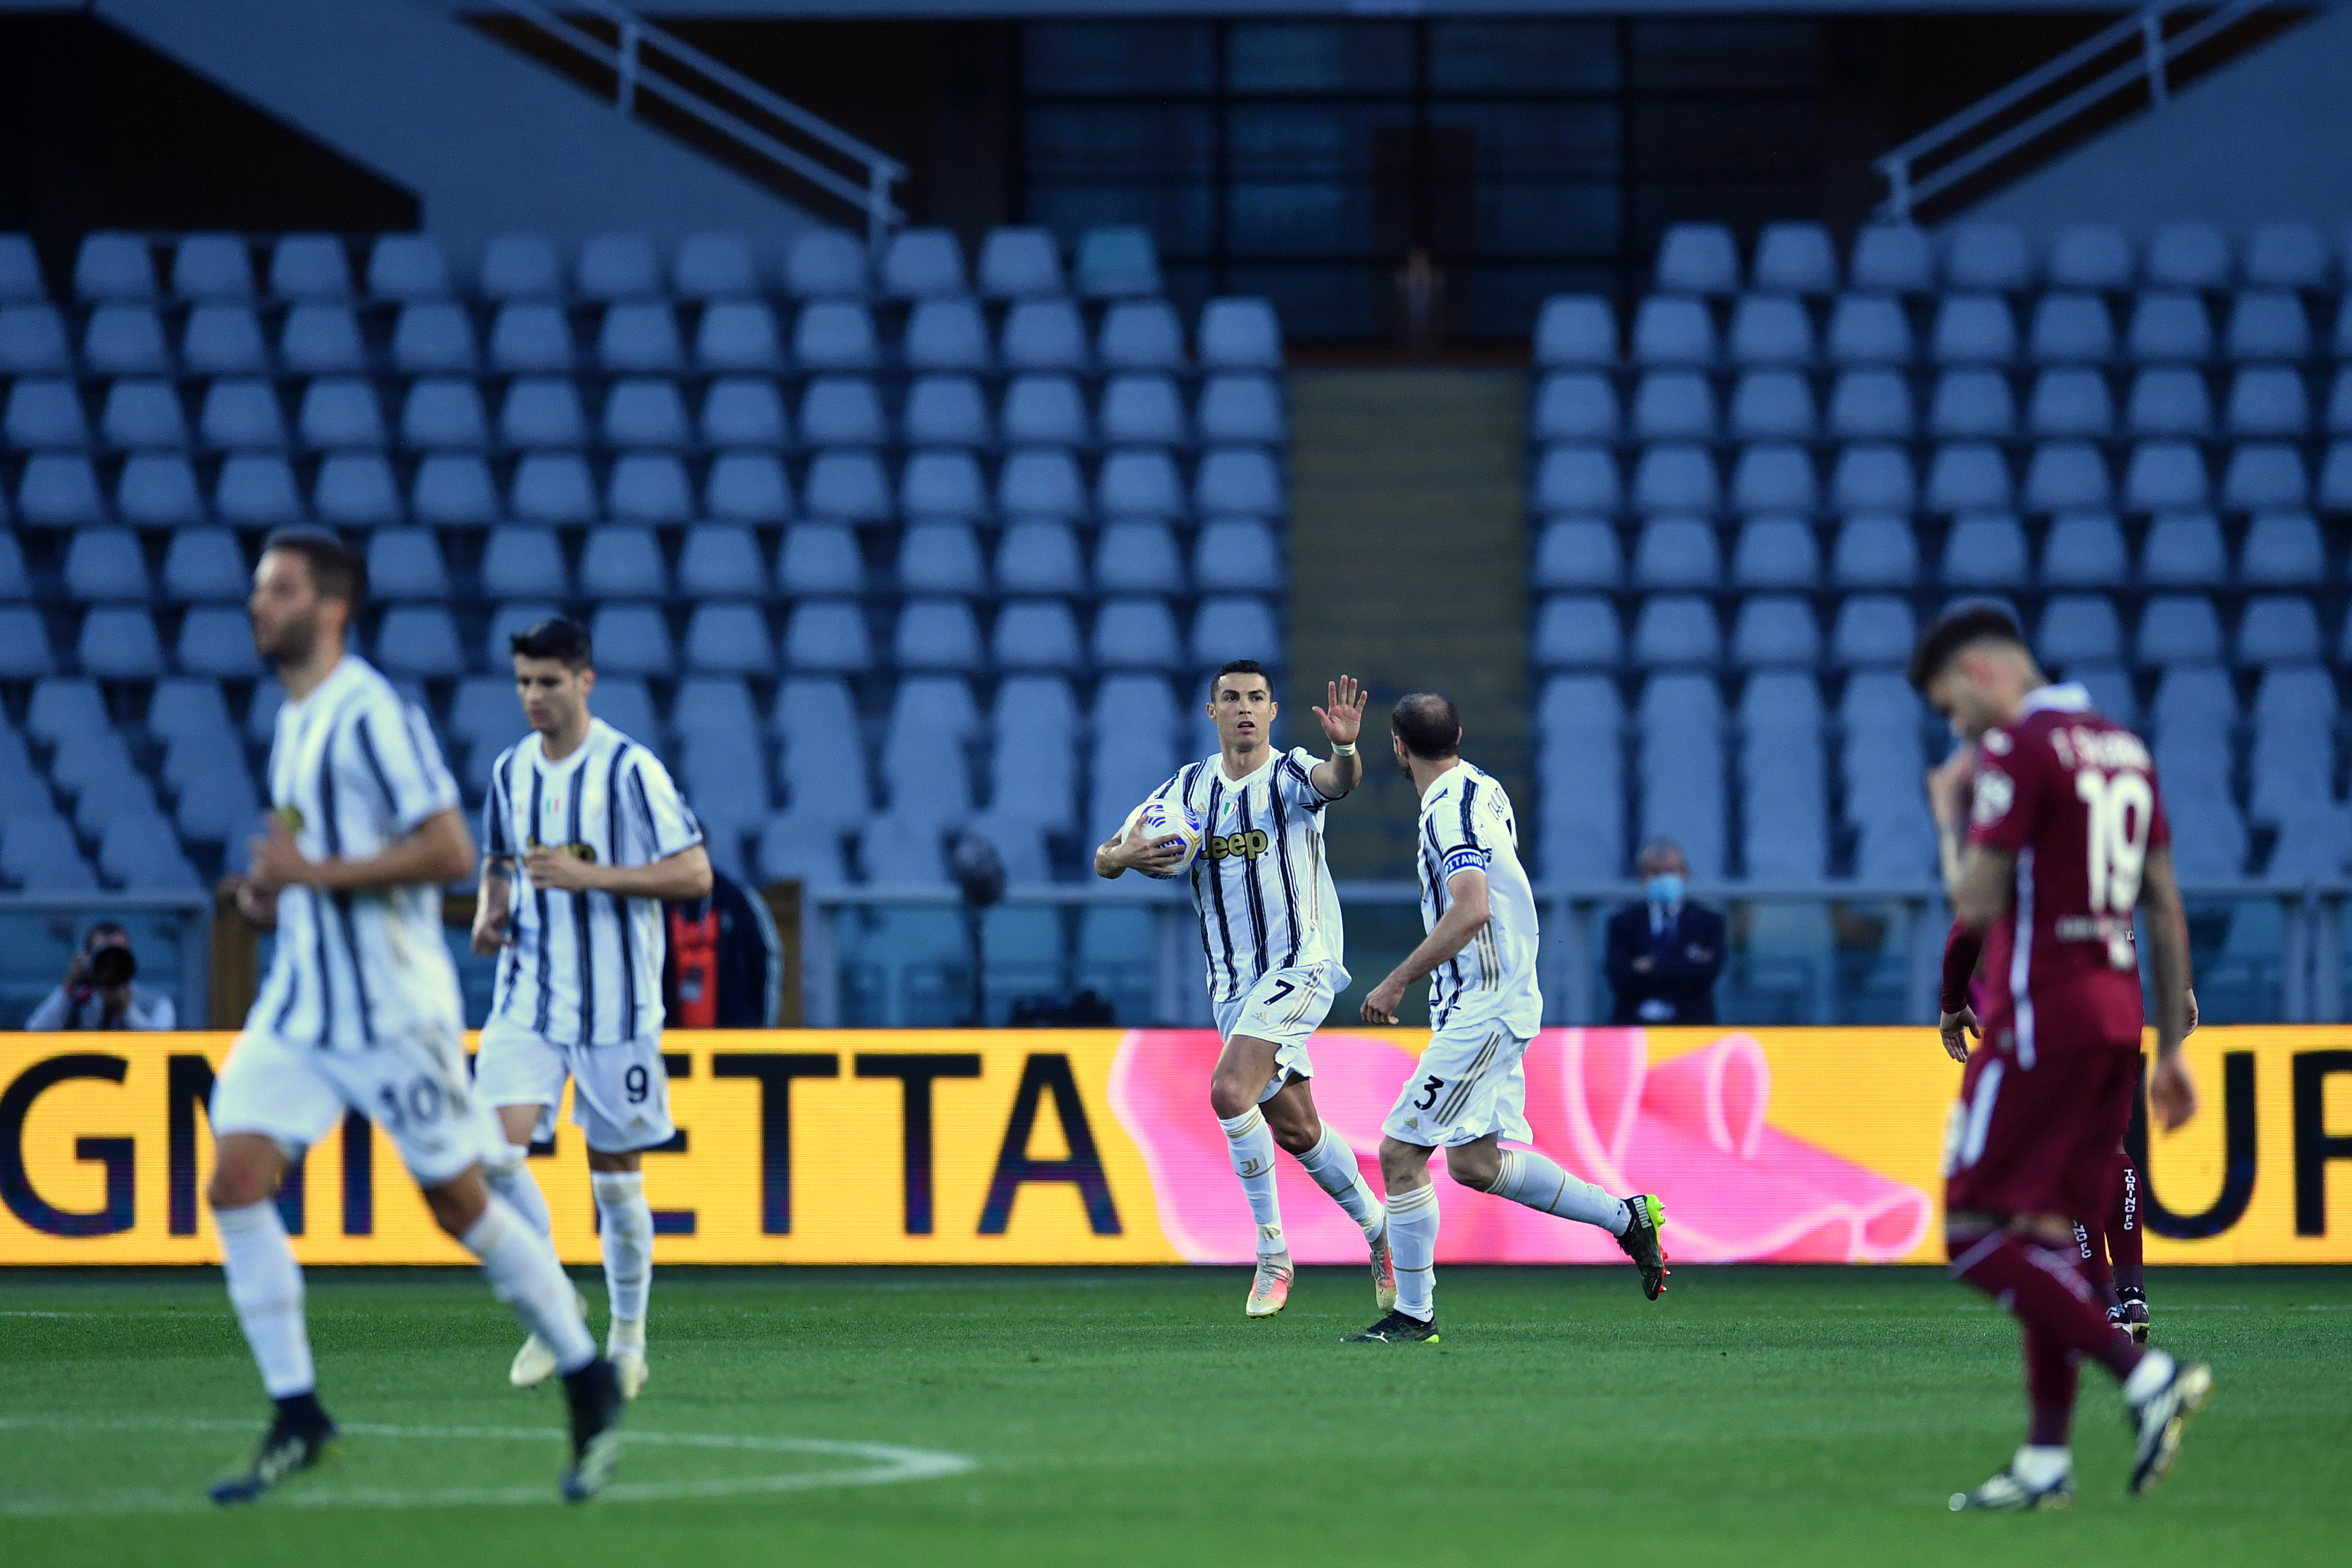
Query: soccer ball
(1159, 820)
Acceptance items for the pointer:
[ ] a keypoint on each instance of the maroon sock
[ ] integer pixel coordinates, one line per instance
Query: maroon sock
(2124, 1233)
(2042, 1286)
(2053, 1374)
(2089, 1245)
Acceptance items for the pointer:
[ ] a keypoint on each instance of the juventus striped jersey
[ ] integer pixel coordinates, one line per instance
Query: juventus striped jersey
(584, 967)
(353, 769)
(1260, 882)
(1467, 825)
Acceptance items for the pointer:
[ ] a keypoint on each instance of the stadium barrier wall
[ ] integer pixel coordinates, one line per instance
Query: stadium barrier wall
(1097, 1146)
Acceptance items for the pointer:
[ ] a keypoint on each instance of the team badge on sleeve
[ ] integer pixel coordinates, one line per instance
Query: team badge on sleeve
(1995, 791)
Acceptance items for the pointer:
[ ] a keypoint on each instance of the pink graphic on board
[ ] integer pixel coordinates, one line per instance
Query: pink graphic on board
(1691, 1130)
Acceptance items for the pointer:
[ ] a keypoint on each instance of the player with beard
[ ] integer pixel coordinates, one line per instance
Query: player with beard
(2067, 838)
(360, 1013)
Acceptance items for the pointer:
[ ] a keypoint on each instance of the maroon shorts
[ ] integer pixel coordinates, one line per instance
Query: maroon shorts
(2040, 1140)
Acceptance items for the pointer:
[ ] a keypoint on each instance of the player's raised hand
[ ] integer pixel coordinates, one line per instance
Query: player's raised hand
(1956, 1028)
(1947, 787)
(2172, 1092)
(1344, 715)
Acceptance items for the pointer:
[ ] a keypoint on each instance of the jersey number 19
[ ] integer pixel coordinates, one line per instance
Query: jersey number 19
(2119, 810)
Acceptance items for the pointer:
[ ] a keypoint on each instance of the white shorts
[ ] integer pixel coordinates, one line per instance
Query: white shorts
(413, 1086)
(620, 1093)
(1470, 1083)
(1286, 1006)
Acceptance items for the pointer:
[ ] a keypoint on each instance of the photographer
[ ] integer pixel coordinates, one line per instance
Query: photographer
(98, 993)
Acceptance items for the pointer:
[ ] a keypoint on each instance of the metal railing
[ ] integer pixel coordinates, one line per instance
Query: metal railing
(646, 60)
(1789, 952)
(1969, 143)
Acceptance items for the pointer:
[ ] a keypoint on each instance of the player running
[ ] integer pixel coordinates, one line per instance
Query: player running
(600, 835)
(2067, 837)
(361, 1012)
(1470, 1087)
(2108, 1242)
(1276, 955)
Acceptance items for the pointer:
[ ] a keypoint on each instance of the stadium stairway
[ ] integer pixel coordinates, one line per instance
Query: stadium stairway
(1409, 569)
(490, 141)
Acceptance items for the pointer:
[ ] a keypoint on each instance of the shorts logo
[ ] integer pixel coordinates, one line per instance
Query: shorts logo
(1249, 846)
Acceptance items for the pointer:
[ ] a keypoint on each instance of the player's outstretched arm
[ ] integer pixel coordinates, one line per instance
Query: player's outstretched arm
(2171, 1091)
(1465, 917)
(436, 852)
(682, 875)
(1344, 717)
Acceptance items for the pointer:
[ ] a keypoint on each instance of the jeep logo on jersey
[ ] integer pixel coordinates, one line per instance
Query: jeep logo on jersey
(1250, 845)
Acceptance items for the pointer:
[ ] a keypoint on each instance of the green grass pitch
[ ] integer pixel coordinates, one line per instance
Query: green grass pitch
(1753, 1417)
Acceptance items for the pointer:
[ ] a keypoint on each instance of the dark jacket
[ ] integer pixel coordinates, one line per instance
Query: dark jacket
(1685, 958)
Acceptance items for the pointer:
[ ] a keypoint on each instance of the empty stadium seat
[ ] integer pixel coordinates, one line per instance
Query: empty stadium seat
(1767, 330)
(2268, 400)
(1985, 550)
(142, 413)
(942, 482)
(946, 334)
(421, 641)
(720, 560)
(1772, 553)
(1233, 407)
(1036, 634)
(2287, 255)
(1038, 557)
(1678, 551)
(153, 488)
(433, 335)
(256, 488)
(1892, 258)
(2184, 548)
(834, 334)
(1136, 633)
(1968, 476)
(940, 557)
(623, 563)
(1239, 334)
(713, 267)
(1015, 262)
(553, 487)
(338, 411)
(820, 558)
(32, 340)
(1794, 259)
(2174, 629)
(1673, 331)
(1140, 557)
(2278, 628)
(2093, 256)
(1870, 404)
(538, 411)
(321, 338)
(1873, 629)
(1578, 552)
(1043, 334)
(1987, 255)
(827, 634)
(2166, 476)
(519, 266)
(1676, 478)
(2085, 549)
(1872, 477)
(632, 639)
(1141, 335)
(44, 413)
(1974, 403)
(1974, 328)
(2067, 476)
(2264, 476)
(1868, 329)
(1233, 626)
(1576, 330)
(1674, 630)
(2170, 326)
(617, 267)
(1237, 553)
(1698, 259)
(946, 410)
(1578, 479)
(1775, 628)
(742, 336)
(744, 411)
(356, 490)
(2284, 548)
(1674, 405)
(526, 336)
(1146, 410)
(1140, 481)
(223, 340)
(751, 486)
(406, 563)
(844, 485)
(524, 563)
(825, 261)
(1767, 405)
(2071, 328)
(729, 638)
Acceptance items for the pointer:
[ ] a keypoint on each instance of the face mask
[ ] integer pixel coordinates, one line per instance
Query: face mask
(1666, 888)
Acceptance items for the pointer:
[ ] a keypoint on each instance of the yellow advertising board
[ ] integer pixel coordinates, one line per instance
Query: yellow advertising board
(1097, 1146)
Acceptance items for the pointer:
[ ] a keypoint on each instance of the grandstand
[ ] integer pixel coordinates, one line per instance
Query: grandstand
(821, 511)
(1756, 489)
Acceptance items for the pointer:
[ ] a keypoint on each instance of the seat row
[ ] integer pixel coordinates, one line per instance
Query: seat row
(123, 642)
(1586, 630)
(102, 563)
(1897, 258)
(442, 337)
(2157, 476)
(1014, 262)
(1883, 404)
(1980, 550)
(1961, 329)
(362, 489)
(331, 413)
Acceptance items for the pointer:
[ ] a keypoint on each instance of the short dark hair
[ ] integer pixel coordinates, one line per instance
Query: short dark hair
(1238, 666)
(337, 571)
(100, 930)
(1429, 725)
(555, 637)
(1960, 628)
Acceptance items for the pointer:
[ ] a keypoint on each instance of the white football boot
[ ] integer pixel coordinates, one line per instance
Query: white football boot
(535, 1364)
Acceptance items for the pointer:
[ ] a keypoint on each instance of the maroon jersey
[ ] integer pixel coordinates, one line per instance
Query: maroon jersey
(2074, 796)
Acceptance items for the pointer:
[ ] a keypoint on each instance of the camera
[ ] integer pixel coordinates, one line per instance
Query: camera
(112, 966)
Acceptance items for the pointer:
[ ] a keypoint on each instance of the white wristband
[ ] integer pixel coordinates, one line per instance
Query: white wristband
(1348, 750)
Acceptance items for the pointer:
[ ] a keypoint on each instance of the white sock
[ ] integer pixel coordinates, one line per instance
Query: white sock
(2042, 1466)
(1413, 1244)
(514, 1182)
(1249, 1144)
(1333, 1165)
(1531, 1179)
(2154, 1371)
(265, 1286)
(628, 1236)
(524, 1274)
